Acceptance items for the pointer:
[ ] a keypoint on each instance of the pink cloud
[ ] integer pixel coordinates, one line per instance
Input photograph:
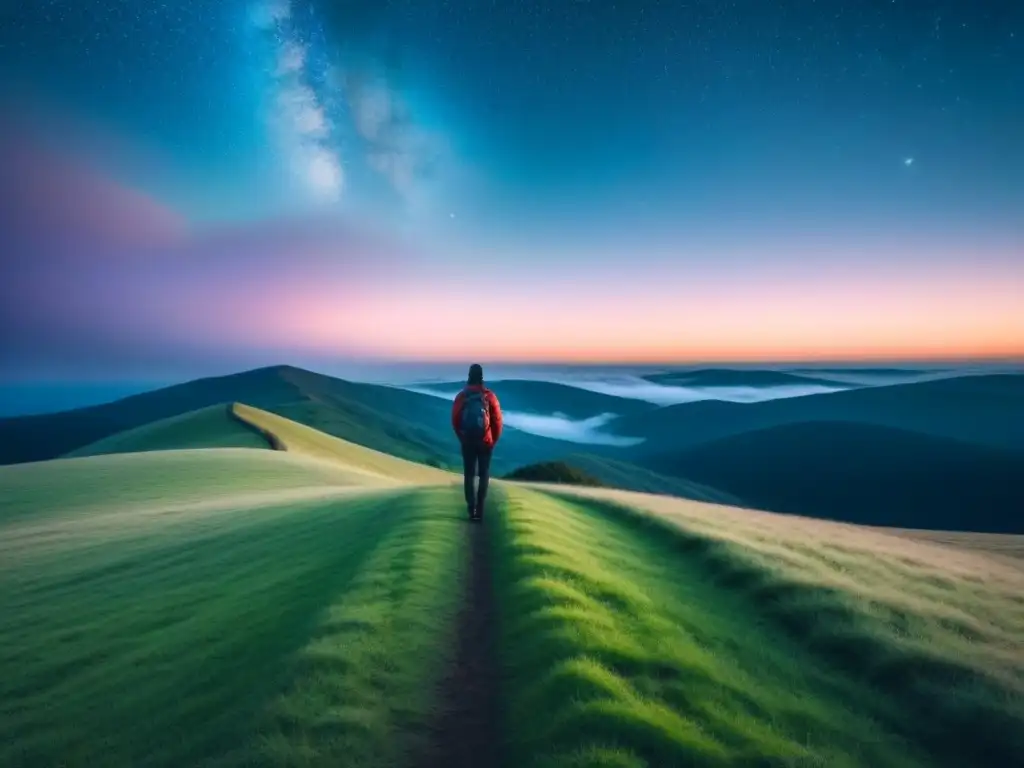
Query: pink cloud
(51, 197)
(72, 285)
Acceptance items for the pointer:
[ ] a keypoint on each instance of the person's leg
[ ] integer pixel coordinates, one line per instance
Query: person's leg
(468, 472)
(484, 462)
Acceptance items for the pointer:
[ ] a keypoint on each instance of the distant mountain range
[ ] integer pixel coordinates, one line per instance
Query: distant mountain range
(547, 397)
(942, 453)
(727, 377)
(979, 408)
(862, 473)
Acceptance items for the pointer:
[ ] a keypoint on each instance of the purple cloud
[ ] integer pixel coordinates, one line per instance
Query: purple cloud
(51, 198)
(91, 268)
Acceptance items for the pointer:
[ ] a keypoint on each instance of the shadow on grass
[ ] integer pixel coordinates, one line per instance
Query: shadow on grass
(163, 656)
(957, 713)
(365, 689)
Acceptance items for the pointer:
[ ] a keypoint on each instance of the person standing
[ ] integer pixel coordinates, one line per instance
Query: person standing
(476, 419)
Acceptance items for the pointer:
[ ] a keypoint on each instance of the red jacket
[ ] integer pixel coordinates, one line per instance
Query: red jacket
(494, 429)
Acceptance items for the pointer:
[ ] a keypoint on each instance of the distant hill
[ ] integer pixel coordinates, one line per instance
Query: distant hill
(241, 426)
(631, 477)
(984, 409)
(546, 397)
(295, 438)
(729, 377)
(406, 424)
(871, 371)
(212, 427)
(554, 472)
(863, 473)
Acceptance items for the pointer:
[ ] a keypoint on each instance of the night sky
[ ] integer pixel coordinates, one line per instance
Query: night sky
(197, 185)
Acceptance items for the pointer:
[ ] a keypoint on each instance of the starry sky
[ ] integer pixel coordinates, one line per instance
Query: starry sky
(200, 185)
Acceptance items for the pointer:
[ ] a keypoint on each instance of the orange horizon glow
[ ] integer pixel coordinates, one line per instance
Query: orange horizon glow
(845, 321)
(964, 358)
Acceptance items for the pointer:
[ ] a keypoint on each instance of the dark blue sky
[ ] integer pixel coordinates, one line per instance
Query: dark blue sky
(677, 143)
(808, 105)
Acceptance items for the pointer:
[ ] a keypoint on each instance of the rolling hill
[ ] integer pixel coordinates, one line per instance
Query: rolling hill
(325, 604)
(242, 426)
(730, 377)
(978, 409)
(407, 424)
(215, 426)
(554, 472)
(546, 397)
(290, 436)
(612, 473)
(862, 473)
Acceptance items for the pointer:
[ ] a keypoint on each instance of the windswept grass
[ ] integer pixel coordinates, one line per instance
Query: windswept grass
(364, 689)
(937, 630)
(301, 632)
(620, 652)
(299, 438)
(1000, 544)
(156, 482)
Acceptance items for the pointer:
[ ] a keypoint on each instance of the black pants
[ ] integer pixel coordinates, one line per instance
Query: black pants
(476, 460)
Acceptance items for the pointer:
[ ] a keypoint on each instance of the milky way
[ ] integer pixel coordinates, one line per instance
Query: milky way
(597, 180)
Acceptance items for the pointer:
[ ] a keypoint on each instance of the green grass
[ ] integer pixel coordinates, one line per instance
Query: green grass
(231, 607)
(212, 427)
(620, 652)
(362, 424)
(153, 483)
(221, 629)
(402, 423)
(935, 631)
(300, 438)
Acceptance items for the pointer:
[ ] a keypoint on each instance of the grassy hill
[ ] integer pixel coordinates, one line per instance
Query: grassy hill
(713, 629)
(862, 473)
(406, 424)
(554, 472)
(620, 474)
(298, 438)
(242, 426)
(546, 397)
(328, 605)
(215, 426)
(970, 408)
(177, 607)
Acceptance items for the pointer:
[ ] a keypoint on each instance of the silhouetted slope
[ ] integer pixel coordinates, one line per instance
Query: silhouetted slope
(545, 397)
(631, 477)
(864, 474)
(729, 377)
(406, 424)
(213, 427)
(45, 436)
(986, 409)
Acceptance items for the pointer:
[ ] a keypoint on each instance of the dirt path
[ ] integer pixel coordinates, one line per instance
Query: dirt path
(467, 732)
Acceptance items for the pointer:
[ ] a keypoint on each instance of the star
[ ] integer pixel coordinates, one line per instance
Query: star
(908, 161)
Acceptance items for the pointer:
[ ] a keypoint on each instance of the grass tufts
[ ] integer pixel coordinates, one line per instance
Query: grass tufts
(615, 646)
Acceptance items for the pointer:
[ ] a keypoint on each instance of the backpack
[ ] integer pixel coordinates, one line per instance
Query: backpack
(475, 417)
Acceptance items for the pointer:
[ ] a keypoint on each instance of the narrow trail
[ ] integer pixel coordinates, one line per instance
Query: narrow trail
(467, 731)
